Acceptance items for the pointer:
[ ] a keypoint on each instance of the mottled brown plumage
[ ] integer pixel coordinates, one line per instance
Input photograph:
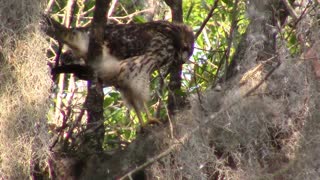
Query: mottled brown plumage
(131, 52)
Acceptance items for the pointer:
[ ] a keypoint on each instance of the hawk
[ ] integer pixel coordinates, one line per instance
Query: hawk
(131, 52)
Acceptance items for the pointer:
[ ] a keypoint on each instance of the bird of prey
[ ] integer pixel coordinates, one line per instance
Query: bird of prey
(131, 52)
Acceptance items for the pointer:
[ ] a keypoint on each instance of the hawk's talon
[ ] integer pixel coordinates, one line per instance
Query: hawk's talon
(153, 120)
(150, 121)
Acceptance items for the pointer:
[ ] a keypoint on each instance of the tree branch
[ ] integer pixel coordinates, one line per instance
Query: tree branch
(215, 5)
(230, 38)
(291, 11)
(94, 99)
(174, 99)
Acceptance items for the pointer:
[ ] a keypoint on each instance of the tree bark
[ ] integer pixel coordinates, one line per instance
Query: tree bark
(70, 166)
(94, 100)
(175, 100)
(240, 52)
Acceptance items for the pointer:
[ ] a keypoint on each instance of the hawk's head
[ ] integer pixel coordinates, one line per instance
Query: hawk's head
(183, 40)
(181, 35)
(77, 40)
(186, 42)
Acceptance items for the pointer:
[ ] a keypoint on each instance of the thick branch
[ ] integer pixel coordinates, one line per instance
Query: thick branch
(176, 10)
(94, 100)
(174, 99)
(230, 38)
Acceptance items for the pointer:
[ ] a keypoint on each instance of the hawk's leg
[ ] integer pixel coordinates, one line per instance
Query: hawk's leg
(150, 118)
(138, 112)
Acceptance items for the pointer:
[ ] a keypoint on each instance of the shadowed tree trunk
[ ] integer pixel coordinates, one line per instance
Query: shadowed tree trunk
(175, 100)
(70, 166)
(94, 101)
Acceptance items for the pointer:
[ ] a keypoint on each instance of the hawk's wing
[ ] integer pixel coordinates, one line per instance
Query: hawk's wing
(122, 40)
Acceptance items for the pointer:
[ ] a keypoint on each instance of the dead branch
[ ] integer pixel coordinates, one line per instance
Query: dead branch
(264, 79)
(291, 11)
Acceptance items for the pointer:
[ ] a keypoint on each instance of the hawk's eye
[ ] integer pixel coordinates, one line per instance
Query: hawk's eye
(74, 32)
(187, 50)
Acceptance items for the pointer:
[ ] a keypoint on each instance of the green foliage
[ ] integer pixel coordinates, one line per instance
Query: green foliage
(292, 42)
(212, 43)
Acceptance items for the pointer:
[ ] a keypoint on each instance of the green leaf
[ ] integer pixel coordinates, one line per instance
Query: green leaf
(139, 19)
(180, 92)
(229, 3)
(108, 101)
(115, 95)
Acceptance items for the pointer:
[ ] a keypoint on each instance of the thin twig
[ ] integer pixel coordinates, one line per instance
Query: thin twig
(208, 50)
(290, 10)
(87, 12)
(207, 18)
(297, 21)
(112, 7)
(190, 10)
(197, 89)
(263, 80)
(218, 70)
(80, 11)
(129, 16)
(169, 118)
(69, 108)
(75, 124)
(49, 6)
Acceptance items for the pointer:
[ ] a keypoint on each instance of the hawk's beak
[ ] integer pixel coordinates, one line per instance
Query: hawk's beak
(185, 56)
